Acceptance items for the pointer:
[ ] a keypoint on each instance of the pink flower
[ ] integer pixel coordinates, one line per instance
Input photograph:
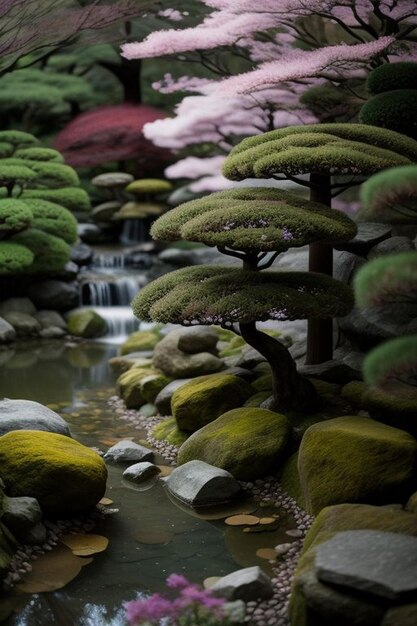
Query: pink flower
(177, 581)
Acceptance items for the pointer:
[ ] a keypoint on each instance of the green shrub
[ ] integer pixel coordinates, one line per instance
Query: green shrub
(50, 253)
(390, 196)
(14, 216)
(54, 219)
(14, 257)
(387, 279)
(72, 198)
(39, 154)
(395, 110)
(392, 76)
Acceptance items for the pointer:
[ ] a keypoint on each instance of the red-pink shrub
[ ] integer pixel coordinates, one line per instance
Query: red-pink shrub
(111, 133)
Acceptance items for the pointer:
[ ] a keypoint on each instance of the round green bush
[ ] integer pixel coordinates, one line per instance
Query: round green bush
(395, 110)
(39, 154)
(54, 175)
(53, 219)
(72, 198)
(390, 196)
(18, 138)
(14, 215)
(14, 257)
(50, 253)
(15, 174)
(392, 76)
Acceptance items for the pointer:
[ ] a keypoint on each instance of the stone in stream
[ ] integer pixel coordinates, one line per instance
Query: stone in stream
(199, 484)
(247, 584)
(21, 514)
(383, 564)
(28, 415)
(126, 450)
(163, 399)
(139, 472)
(7, 332)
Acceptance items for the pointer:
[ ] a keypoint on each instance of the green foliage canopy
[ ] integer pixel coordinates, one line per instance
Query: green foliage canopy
(390, 196)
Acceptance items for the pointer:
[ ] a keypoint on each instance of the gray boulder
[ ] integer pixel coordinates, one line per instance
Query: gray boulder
(7, 332)
(163, 399)
(198, 339)
(199, 484)
(28, 415)
(21, 514)
(24, 324)
(82, 254)
(54, 294)
(393, 245)
(139, 472)
(52, 332)
(369, 235)
(50, 318)
(172, 361)
(126, 450)
(247, 584)
(21, 305)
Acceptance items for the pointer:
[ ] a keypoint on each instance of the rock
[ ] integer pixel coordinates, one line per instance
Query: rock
(112, 179)
(369, 235)
(120, 364)
(312, 600)
(177, 257)
(25, 325)
(412, 503)
(54, 294)
(52, 332)
(21, 514)
(163, 399)
(139, 260)
(19, 305)
(126, 450)
(198, 339)
(148, 410)
(377, 462)
(82, 254)
(36, 535)
(169, 431)
(139, 341)
(151, 385)
(199, 484)
(401, 616)
(393, 245)
(241, 372)
(249, 358)
(50, 318)
(178, 364)
(346, 265)
(377, 563)
(205, 398)
(128, 386)
(86, 323)
(367, 327)
(247, 584)
(139, 472)
(65, 477)
(7, 332)
(247, 442)
(93, 234)
(28, 415)
(104, 212)
(8, 546)
(332, 372)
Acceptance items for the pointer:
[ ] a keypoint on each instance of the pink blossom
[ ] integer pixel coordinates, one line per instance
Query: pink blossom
(177, 581)
(171, 14)
(194, 167)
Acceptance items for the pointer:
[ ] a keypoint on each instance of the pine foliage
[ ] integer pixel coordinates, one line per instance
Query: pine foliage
(390, 196)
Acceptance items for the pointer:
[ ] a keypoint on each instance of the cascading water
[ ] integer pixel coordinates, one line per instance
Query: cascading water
(109, 288)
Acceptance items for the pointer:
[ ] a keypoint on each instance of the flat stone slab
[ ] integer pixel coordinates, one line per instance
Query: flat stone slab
(383, 564)
(199, 484)
(126, 450)
(247, 584)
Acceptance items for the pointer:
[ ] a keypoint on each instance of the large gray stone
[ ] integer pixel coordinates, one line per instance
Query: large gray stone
(54, 294)
(21, 305)
(383, 564)
(369, 235)
(28, 415)
(7, 332)
(247, 584)
(198, 339)
(393, 245)
(249, 358)
(199, 484)
(50, 318)
(163, 399)
(25, 325)
(332, 372)
(140, 472)
(21, 514)
(82, 254)
(126, 450)
(173, 362)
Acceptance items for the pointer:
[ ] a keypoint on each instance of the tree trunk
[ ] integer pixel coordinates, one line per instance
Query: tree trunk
(291, 392)
(320, 331)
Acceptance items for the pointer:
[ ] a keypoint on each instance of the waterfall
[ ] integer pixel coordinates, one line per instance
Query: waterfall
(134, 231)
(109, 261)
(109, 293)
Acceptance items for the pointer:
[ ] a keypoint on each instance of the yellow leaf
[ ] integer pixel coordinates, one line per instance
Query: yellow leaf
(266, 553)
(242, 520)
(85, 544)
(52, 571)
(105, 501)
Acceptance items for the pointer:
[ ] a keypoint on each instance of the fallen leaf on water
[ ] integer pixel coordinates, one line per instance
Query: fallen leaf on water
(52, 570)
(242, 520)
(267, 520)
(165, 470)
(105, 501)
(84, 544)
(153, 537)
(266, 553)
(264, 528)
(210, 581)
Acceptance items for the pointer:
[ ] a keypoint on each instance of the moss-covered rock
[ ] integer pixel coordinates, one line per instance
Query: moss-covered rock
(198, 358)
(205, 398)
(128, 386)
(405, 615)
(355, 459)
(168, 431)
(63, 475)
(309, 598)
(247, 442)
(151, 385)
(86, 323)
(290, 480)
(263, 383)
(120, 364)
(412, 503)
(258, 398)
(138, 341)
(8, 546)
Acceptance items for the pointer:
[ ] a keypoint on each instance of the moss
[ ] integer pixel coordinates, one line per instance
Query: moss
(8, 546)
(290, 480)
(169, 431)
(18, 138)
(6, 149)
(395, 404)
(39, 154)
(14, 257)
(254, 219)
(393, 360)
(395, 110)
(248, 442)
(149, 186)
(214, 294)
(62, 474)
(138, 210)
(54, 175)
(14, 215)
(151, 385)
(234, 347)
(263, 383)
(390, 196)
(138, 341)
(405, 615)
(128, 386)
(392, 76)
(50, 253)
(72, 198)
(15, 174)
(86, 323)
(53, 219)
(322, 148)
(411, 505)
(386, 279)
(355, 459)
(205, 398)
(258, 398)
